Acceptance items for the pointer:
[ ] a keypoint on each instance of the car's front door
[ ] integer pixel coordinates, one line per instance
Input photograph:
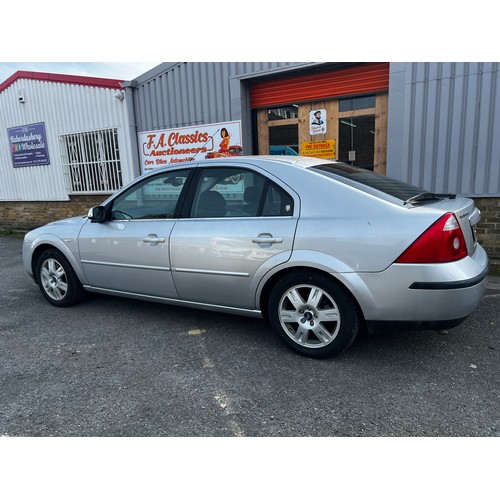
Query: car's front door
(130, 251)
(239, 226)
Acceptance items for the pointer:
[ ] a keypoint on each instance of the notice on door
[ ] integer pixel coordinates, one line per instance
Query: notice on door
(319, 149)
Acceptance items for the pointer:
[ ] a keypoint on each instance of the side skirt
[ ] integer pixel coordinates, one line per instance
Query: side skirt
(252, 313)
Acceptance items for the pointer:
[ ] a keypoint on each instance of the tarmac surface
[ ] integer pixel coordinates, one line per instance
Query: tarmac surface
(118, 367)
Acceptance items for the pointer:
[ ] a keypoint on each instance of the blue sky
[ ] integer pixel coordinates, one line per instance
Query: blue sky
(116, 70)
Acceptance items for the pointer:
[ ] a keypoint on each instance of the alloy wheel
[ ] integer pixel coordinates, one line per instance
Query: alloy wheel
(309, 316)
(54, 279)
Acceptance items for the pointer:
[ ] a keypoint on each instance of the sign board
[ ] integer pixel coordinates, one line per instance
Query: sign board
(159, 148)
(28, 145)
(317, 122)
(319, 149)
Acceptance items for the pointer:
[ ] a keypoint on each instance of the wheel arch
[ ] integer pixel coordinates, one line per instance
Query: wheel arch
(275, 278)
(64, 250)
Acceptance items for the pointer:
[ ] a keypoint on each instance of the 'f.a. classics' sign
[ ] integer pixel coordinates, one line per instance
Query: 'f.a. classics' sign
(160, 148)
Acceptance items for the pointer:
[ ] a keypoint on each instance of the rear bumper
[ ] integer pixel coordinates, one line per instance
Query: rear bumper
(450, 285)
(383, 326)
(422, 296)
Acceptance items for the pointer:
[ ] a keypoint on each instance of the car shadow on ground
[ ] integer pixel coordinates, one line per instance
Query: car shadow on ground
(221, 329)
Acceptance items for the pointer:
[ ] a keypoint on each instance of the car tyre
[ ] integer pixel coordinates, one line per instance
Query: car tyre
(313, 315)
(57, 279)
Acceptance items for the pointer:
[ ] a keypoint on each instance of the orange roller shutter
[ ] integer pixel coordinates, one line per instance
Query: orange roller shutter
(371, 77)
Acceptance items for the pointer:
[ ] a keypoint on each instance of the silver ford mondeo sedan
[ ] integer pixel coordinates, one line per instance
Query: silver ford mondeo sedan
(319, 248)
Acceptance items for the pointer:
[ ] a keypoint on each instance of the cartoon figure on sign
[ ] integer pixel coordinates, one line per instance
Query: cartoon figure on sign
(224, 145)
(225, 148)
(317, 123)
(317, 119)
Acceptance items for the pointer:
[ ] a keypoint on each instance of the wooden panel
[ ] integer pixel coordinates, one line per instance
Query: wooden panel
(304, 123)
(380, 160)
(332, 123)
(263, 132)
(279, 123)
(357, 112)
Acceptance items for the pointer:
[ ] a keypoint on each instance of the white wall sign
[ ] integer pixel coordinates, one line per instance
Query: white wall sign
(159, 148)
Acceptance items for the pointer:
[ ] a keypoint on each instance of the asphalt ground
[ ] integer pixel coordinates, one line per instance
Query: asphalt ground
(118, 367)
(115, 367)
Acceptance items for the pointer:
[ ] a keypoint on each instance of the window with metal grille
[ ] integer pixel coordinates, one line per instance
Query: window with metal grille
(91, 161)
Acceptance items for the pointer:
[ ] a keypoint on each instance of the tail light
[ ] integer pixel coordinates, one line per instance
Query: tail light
(443, 242)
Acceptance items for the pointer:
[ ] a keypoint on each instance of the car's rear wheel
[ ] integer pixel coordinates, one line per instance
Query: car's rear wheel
(313, 315)
(57, 279)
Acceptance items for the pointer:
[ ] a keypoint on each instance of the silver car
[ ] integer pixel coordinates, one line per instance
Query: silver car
(321, 249)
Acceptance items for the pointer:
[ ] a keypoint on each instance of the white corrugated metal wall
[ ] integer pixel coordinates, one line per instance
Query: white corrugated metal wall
(64, 108)
(444, 125)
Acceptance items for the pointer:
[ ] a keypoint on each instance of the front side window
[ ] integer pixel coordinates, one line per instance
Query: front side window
(154, 198)
(236, 192)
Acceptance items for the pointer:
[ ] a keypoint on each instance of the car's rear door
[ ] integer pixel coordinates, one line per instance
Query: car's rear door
(238, 224)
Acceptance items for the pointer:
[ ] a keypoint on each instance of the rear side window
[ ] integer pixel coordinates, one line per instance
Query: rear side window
(277, 202)
(238, 192)
(387, 185)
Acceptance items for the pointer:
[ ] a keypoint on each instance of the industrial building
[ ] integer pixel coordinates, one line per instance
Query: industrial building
(431, 124)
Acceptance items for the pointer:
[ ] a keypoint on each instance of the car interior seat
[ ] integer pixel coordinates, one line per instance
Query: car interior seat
(251, 197)
(211, 204)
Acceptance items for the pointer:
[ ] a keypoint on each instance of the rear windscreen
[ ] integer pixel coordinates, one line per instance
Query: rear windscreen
(387, 185)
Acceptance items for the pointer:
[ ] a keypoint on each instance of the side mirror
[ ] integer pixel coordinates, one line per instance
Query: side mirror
(97, 214)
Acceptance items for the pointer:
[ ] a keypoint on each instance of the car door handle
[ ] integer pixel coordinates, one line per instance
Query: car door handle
(266, 239)
(153, 238)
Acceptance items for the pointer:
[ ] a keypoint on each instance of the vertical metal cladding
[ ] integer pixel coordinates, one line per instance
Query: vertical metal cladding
(192, 93)
(444, 119)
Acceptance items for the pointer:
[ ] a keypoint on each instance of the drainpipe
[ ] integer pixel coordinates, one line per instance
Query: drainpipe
(132, 125)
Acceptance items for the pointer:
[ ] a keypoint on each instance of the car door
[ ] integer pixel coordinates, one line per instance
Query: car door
(129, 252)
(239, 224)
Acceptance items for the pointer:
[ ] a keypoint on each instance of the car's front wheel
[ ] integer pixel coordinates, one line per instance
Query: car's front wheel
(57, 279)
(313, 315)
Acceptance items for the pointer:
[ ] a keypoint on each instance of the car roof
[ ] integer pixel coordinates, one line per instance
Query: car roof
(299, 161)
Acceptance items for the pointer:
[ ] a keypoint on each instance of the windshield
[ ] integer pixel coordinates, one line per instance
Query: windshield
(387, 185)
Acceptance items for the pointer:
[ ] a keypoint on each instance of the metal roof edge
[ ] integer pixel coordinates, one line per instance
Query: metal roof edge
(90, 81)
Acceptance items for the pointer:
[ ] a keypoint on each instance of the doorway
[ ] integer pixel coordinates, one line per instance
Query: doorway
(356, 144)
(357, 126)
(283, 130)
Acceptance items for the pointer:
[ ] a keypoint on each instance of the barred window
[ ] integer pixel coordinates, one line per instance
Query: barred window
(91, 161)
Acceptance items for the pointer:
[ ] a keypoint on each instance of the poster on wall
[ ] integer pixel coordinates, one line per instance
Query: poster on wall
(159, 148)
(317, 122)
(319, 149)
(28, 145)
